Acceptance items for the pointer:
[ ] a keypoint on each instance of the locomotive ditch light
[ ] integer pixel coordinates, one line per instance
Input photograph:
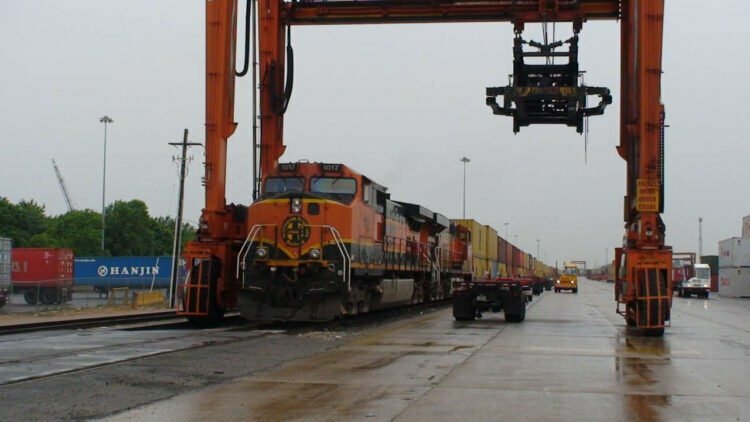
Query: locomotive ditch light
(547, 92)
(315, 253)
(261, 253)
(296, 205)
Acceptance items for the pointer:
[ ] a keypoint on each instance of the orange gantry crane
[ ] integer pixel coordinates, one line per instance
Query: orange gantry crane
(643, 286)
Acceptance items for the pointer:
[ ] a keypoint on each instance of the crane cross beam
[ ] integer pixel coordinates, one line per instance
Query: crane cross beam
(422, 11)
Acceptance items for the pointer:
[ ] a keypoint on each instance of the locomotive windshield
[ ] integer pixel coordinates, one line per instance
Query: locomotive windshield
(339, 188)
(275, 185)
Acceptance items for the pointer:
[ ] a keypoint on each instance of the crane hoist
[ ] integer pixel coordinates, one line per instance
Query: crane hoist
(547, 94)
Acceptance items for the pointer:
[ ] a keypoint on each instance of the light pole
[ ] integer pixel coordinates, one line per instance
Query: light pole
(464, 160)
(700, 239)
(537, 249)
(106, 120)
(506, 231)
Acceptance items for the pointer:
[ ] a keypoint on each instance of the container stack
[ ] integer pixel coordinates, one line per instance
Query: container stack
(734, 264)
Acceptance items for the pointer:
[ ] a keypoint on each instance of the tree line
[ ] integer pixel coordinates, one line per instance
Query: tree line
(129, 229)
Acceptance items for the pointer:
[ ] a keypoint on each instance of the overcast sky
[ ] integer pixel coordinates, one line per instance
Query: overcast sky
(398, 103)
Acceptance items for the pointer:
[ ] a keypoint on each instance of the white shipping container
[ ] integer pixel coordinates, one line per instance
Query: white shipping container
(746, 226)
(734, 252)
(734, 282)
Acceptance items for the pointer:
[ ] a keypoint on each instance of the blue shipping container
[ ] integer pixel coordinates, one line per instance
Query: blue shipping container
(135, 272)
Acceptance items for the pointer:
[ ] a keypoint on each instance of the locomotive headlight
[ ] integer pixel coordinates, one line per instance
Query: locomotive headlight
(261, 252)
(296, 205)
(314, 253)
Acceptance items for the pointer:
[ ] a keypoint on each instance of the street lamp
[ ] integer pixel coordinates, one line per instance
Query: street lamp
(700, 239)
(106, 120)
(465, 160)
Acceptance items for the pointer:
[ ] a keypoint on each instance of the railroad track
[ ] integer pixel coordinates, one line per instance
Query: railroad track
(77, 323)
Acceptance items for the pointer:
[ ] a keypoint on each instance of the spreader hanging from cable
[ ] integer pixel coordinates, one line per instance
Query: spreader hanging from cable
(546, 93)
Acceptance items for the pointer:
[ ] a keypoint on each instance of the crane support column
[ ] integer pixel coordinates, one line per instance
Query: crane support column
(271, 64)
(210, 288)
(644, 263)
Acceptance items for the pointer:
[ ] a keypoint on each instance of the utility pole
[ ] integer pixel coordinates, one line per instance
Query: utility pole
(464, 160)
(178, 223)
(700, 239)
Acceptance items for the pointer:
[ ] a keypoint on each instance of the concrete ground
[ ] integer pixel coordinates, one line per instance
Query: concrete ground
(572, 359)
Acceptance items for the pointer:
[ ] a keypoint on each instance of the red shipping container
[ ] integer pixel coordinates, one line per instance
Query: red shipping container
(45, 267)
(714, 282)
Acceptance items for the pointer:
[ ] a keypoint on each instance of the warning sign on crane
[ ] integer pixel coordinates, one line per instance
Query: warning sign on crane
(648, 195)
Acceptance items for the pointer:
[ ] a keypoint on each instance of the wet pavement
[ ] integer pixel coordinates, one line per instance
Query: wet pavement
(572, 359)
(44, 354)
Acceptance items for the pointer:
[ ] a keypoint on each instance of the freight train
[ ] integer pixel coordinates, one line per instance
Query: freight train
(327, 242)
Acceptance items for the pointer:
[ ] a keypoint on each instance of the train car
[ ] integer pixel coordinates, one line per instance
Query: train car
(326, 241)
(103, 273)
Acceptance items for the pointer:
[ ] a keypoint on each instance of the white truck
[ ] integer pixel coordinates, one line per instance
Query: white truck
(699, 284)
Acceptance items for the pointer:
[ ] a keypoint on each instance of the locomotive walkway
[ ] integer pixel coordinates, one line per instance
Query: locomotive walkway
(572, 359)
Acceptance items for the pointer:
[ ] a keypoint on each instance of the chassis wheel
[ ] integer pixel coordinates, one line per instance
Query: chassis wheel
(519, 317)
(49, 297)
(653, 332)
(30, 297)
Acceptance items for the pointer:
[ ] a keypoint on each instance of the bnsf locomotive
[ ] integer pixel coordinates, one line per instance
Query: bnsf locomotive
(326, 241)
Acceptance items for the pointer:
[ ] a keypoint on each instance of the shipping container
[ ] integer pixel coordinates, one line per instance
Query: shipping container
(734, 282)
(714, 282)
(713, 263)
(481, 268)
(45, 266)
(42, 274)
(135, 272)
(5, 248)
(502, 250)
(746, 226)
(478, 237)
(734, 252)
(491, 248)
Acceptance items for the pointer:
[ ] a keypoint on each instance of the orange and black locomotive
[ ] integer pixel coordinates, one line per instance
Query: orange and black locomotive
(326, 241)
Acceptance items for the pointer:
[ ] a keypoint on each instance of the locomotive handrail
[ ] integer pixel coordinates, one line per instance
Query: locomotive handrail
(347, 270)
(245, 249)
(347, 267)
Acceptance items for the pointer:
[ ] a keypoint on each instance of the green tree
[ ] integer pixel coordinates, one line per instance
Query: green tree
(22, 222)
(164, 234)
(79, 230)
(129, 231)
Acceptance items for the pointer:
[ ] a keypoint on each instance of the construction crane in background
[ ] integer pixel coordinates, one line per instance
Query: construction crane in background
(66, 194)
